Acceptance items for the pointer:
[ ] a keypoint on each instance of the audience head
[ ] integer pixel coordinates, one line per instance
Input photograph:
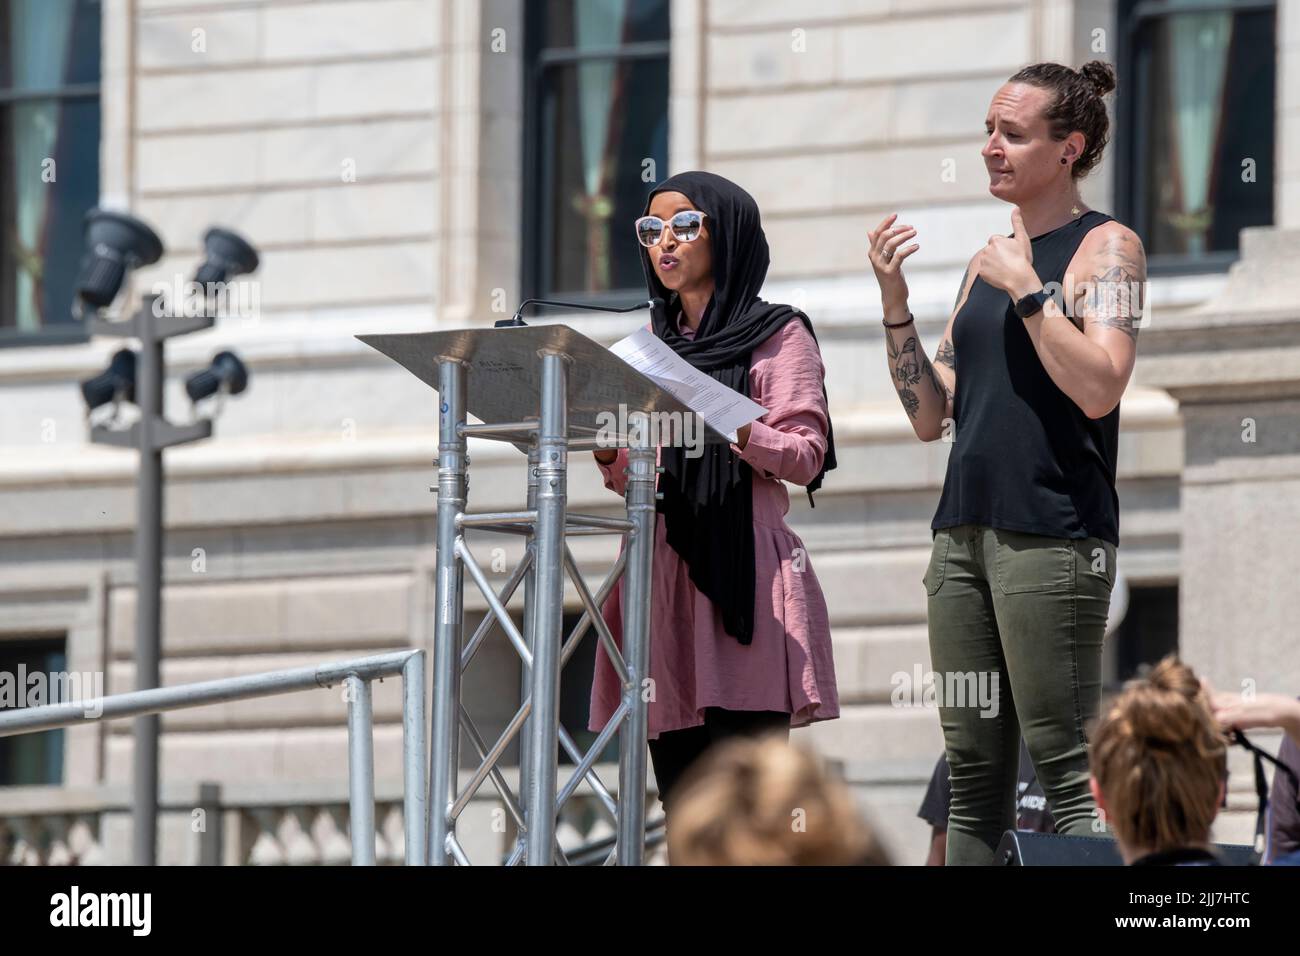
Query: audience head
(1159, 763)
(762, 802)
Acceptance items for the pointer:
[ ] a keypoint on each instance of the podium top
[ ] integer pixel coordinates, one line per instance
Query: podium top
(503, 378)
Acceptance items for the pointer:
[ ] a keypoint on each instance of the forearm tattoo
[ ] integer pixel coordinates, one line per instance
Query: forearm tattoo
(906, 368)
(906, 372)
(911, 404)
(936, 381)
(945, 355)
(909, 370)
(1113, 297)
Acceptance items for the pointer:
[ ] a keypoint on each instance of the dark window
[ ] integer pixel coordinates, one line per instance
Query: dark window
(31, 759)
(49, 160)
(596, 117)
(1146, 634)
(1196, 118)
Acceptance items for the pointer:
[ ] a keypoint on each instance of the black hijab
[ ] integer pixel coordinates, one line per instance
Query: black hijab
(708, 503)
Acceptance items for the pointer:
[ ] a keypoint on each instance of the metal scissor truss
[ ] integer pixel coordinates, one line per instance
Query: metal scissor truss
(543, 649)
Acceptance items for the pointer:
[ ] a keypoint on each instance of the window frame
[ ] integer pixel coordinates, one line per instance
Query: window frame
(537, 156)
(1129, 188)
(55, 333)
(51, 649)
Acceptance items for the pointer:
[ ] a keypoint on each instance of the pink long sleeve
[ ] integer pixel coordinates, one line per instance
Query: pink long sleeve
(789, 442)
(789, 665)
(615, 479)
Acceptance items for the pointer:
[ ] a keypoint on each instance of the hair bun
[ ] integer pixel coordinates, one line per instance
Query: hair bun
(1100, 74)
(1161, 721)
(1163, 710)
(1171, 674)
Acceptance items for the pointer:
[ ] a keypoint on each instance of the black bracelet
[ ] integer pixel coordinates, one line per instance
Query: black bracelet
(898, 325)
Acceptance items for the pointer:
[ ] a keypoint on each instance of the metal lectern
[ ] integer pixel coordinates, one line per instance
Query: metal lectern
(547, 390)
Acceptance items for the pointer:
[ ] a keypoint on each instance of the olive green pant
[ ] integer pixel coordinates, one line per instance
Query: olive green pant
(1024, 614)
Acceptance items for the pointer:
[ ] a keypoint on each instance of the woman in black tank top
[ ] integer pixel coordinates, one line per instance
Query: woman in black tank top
(1025, 385)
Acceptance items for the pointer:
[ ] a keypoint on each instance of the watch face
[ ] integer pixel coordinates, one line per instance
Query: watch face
(1030, 304)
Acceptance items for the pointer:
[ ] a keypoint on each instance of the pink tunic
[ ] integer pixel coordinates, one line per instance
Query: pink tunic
(694, 663)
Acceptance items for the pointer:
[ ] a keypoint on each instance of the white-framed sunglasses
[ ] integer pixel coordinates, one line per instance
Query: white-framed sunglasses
(685, 226)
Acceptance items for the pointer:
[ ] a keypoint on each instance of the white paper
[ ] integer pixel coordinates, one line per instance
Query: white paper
(724, 409)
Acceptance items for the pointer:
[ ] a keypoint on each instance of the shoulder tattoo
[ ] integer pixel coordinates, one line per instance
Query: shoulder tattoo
(1114, 295)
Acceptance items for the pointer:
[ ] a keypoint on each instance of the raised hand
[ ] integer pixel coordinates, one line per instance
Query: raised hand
(1007, 262)
(1233, 711)
(887, 258)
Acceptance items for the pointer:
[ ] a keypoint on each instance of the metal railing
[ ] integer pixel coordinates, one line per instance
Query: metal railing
(355, 674)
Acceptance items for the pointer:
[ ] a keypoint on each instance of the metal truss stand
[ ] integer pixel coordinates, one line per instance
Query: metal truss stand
(547, 390)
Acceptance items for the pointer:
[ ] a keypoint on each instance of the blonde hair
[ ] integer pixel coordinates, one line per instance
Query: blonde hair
(762, 802)
(1159, 759)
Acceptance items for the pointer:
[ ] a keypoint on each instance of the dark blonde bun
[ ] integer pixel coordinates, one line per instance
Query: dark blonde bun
(1160, 758)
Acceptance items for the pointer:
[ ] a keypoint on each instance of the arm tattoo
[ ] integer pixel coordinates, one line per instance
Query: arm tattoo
(940, 388)
(946, 355)
(1114, 297)
(906, 368)
(907, 372)
(961, 288)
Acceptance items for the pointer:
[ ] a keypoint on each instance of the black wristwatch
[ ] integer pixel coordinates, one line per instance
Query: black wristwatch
(1031, 303)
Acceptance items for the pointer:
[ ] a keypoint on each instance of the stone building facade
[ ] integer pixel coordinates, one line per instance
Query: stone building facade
(378, 154)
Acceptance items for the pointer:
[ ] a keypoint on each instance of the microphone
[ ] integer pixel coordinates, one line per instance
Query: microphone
(655, 305)
(658, 311)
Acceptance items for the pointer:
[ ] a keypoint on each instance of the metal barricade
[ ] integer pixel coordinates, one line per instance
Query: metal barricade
(356, 675)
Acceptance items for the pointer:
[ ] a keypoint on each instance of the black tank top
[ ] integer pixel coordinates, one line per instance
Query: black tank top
(1024, 456)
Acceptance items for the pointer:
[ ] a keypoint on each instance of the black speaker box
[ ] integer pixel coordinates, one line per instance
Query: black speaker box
(1025, 848)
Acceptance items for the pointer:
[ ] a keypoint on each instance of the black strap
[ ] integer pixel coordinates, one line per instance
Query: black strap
(1261, 788)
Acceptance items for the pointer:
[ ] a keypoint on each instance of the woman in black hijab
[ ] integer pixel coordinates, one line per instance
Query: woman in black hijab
(740, 636)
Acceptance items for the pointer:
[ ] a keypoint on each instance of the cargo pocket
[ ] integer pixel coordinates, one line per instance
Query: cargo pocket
(933, 577)
(1028, 563)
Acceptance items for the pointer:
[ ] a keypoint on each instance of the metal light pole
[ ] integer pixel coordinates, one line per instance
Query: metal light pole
(150, 435)
(115, 244)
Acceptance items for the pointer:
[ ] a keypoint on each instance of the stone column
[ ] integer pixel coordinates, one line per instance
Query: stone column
(1233, 365)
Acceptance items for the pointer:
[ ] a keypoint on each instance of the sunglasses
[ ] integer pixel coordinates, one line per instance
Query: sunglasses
(685, 226)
